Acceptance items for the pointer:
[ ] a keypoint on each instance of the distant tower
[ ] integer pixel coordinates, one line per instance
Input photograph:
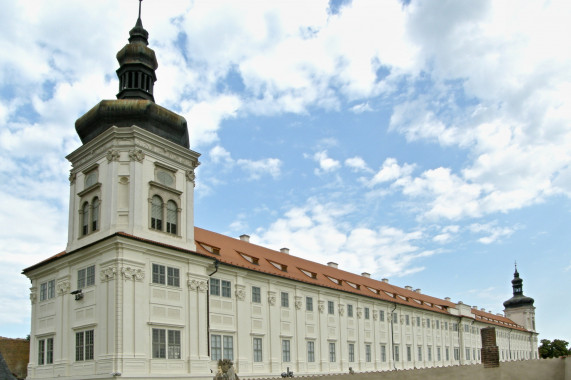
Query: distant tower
(520, 308)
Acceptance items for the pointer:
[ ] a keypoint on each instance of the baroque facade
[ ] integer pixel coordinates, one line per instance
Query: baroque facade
(140, 292)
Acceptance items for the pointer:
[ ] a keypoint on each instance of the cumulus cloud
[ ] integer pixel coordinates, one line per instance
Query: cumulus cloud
(391, 171)
(255, 168)
(357, 164)
(326, 163)
(492, 232)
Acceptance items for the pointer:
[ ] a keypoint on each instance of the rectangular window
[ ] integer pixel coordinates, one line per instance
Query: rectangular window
(332, 357)
(43, 291)
(226, 289)
(86, 277)
(429, 353)
(455, 327)
(382, 315)
(41, 351)
(419, 353)
(407, 320)
(51, 289)
(417, 321)
(367, 313)
(427, 323)
(257, 350)
(447, 354)
(84, 345)
(214, 288)
(285, 299)
(437, 324)
(383, 353)
(395, 318)
(367, 352)
(467, 354)
(474, 354)
(351, 352)
(256, 295)
(408, 353)
(456, 353)
(396, 356)
(308, 303)
(49, 351)
(438, 354)
(159, 274)
(310, 352)
(330, 307)
(159, 344)
(228, 342)
(286, 353)
(173, 344)
(466, 328)
(173, 277)
(350, 311)
(215, 347)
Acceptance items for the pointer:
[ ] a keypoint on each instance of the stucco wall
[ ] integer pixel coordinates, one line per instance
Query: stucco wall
(553, 369)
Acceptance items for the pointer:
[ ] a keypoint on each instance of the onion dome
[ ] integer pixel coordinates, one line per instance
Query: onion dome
(135, 104)
(518, 298)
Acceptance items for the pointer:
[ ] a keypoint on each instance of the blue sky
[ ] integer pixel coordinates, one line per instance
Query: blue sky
(428, 142)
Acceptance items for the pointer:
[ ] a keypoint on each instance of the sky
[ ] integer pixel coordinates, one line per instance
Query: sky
(427, 142)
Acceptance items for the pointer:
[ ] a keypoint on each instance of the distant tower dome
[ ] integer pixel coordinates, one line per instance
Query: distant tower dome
(518, 298)
(135, 104)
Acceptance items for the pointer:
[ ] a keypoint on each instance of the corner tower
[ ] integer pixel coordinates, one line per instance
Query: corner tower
(134, 173)
(520, 308)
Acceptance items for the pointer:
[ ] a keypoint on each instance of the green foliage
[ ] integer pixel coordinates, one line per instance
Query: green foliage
(553, 349)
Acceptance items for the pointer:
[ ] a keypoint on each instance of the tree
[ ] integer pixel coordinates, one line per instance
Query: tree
(553, 349)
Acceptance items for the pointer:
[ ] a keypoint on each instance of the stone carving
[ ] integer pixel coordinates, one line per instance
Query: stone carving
(72, 177)
(190, 176)
(33, 295)
(298, 302)
(272, 298)
(402, 319)
(375, 315)
(341, 308)
(134, 274)
(113, 155)
(359, 312)
(124, 180)
(63, 287)
(108, 274)
(240, 292)
(197, 285)
(321, 306)
(136, 155)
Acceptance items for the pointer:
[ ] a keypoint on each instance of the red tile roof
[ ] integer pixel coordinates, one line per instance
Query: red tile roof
(243, 254)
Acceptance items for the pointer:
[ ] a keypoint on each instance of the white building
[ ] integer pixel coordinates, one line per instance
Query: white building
(140, 292)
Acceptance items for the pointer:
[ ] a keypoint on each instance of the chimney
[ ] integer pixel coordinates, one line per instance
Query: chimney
(460, 303)
(418, 291)
(483, 309)
(365, 274)
(447, 299)
(285, 250)
(245, 238)
(408, 287)
(332, 264)
(386, 280)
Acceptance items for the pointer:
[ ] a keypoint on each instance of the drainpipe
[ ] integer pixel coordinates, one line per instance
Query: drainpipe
(216, 264)
(510, 343)
(460, 340)
(393, 336)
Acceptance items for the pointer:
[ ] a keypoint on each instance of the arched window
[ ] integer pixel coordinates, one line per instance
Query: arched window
(171, 217)
(95, 214)
(85, 219)
(157, 213)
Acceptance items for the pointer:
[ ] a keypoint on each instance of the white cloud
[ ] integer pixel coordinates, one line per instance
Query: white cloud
(447, 234)
(390, 171)
(326, 163)
(357, 164)
(492, 232)
(361, 107)
(255, 168)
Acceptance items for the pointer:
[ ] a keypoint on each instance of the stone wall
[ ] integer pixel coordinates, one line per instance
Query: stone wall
(553, 369)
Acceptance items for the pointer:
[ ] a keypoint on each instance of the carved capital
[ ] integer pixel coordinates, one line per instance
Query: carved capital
(136, 155)
(240, 292)
(298, 302)
(108, 274)
(63, 287)
(135, 274)
(33, 295)
(197, 285)
(341, 309)
(359, 312)
(113, 155)
(72, 177)
(321, 306)
(190, 176)
(272, 298)
(375, 315)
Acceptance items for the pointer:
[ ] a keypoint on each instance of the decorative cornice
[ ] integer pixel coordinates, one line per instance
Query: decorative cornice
(113, 155)
(240, 292)
(135, 274)
(136, 155)
(63, 287)
(272, 298)
(108, 274)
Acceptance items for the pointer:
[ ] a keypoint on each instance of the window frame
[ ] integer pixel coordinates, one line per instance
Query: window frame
(350, 310)
(84, 278)
(332, 353)
(165, 275)
(368, 355)
(367, 313)
(168, 345)
(310, 351)
(330, 308)
(225, 350)
(286, 351)
(309, 303)
(256, 294)
(257, 350)
(284, 299)
(351, 350)
(84, 345)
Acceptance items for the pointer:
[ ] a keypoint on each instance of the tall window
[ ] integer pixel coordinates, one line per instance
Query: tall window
(309, 303)
(367, 315)
(84, 345)
(382, 315)
(456, 353)
(216, 347)
(395, 318)
(86, 277)
(383, 353)
(332, 357)
(408, 353)
(447, 354)
(257, 350)
(310, 351)
(173, 344)
(228, 352)
(285, 299)
(467, 354)
(51, 289)
(429, 353)
(417, 321)
(396, 353)
(49, 351)
(214, 287)
(330, 307)
(157, 213)
(226, 287)
(350, 310)
(95, 214)
(221, 347)
(85, 219)
(286, 353)
(256, 296)
(438, 354)
(351, 352)
(41, 351)
(173, 277)
(171, 217)
(419, 353)
(367, 352)
(407, 320)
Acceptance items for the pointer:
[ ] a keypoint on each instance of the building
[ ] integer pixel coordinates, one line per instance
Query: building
(140, 292)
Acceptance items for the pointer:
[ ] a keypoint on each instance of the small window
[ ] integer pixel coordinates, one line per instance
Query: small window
(332, 356)
(330, 307)
(214, 288)
(350, 310)
(286, 353)
(285, 299)
(158, 274)
(172, 213)
(368, 353)
(382, 315)
(95, 214)
(383, 353)
(90, 179)
(157, 213)
(173, 277)
(308, 303)
(351, 352)
(85, 219)
(86, 277)
(256, 295)
(367, 315)
(258, 350)
(226, 289)
(396, 353)
(311, 352)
